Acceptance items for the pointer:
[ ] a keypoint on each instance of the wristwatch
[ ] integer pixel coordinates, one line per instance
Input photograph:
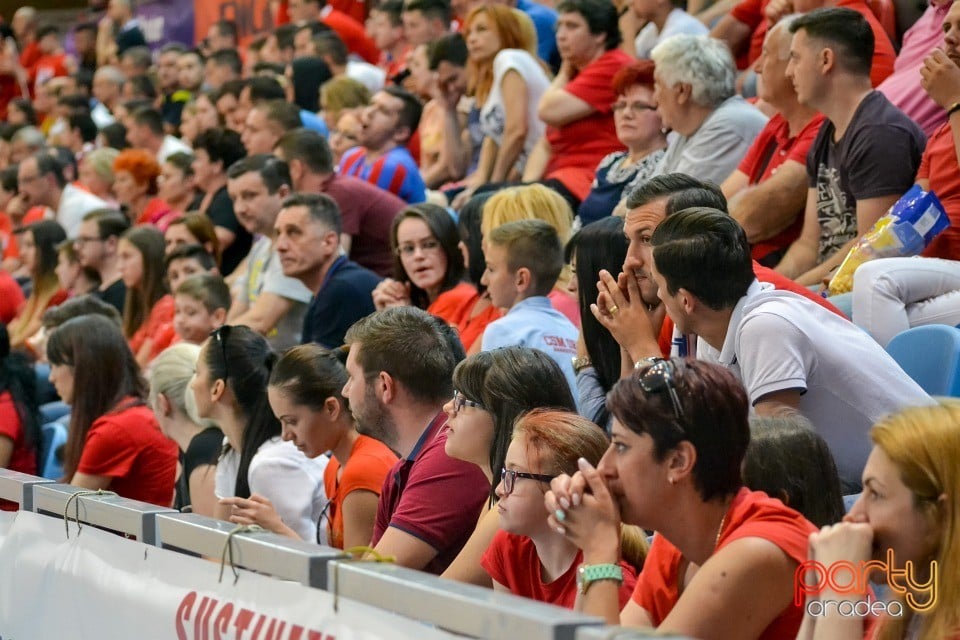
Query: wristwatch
(587, 574)
(643, 363)
(581, 362)
(953, 109)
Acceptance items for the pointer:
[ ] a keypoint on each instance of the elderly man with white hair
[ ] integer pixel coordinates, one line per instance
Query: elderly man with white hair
(694, 91)
(107, 89)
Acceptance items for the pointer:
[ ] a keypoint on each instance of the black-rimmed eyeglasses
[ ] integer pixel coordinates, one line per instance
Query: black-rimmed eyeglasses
(509, 478)
(658, 378)
(460, 401)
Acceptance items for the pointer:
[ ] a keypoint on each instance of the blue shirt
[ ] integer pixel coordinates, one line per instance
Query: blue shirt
(345, 296)
(544, 21)
(534, 323)
(313, 122)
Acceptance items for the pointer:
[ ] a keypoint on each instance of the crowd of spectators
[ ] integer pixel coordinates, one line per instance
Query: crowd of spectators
(528, 295)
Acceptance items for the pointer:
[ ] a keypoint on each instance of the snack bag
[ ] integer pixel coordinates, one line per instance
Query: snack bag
(907, 228)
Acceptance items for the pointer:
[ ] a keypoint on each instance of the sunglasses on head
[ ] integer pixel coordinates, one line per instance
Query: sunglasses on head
(658, 378)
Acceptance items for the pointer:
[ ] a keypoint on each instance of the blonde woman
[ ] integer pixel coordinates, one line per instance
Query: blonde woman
(909, 511)
(537, 202)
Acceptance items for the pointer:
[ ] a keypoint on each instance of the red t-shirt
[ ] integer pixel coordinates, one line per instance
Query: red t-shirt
(126, 445)
(764, 274)
(751, 515)
(356, 9)
(578, 147)
(48, 67)
(772, 148)
(433, 497)
(351, 32)
(11, 298)
(939, 166)
(24, 457)
(471, 328)
(512, 561)
(451, 305)
(367, 467)
(750, 12)
(159, 326)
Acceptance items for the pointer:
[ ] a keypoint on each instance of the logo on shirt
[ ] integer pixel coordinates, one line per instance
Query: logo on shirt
(848, 579)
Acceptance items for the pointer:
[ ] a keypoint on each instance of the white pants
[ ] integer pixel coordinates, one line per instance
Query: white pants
(891, 295)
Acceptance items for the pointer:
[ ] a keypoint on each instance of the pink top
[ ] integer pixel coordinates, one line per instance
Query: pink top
(903, 87)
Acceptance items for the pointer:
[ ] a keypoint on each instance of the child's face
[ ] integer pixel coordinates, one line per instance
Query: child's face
(191, 320)
(180, 270)
(501, 282)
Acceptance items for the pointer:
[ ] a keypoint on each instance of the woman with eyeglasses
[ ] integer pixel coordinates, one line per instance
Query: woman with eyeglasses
(641, 132)
(230, 388)
(305, 395)
(113, 441)
(527, 557)
(428, 265)
(493, 389)
(723, 559)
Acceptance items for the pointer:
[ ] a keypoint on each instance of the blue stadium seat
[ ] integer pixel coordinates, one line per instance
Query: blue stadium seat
(930, 354)
(53, 435)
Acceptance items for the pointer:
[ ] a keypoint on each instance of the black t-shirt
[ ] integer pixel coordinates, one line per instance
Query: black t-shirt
(221, 213)
(204, 449)
(115, 295)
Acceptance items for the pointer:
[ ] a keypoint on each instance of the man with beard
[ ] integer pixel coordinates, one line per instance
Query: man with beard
(401, 366)
(628, 306)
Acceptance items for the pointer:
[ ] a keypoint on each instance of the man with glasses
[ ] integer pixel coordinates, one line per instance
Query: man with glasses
(41, 183)
(400, 369)
(383, 159)
(96, 246)
(366, 211)
(787, 351)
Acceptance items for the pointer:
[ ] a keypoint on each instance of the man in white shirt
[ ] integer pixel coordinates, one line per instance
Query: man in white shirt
(264, 299)
(787, 350)
(147, 132)
(657, 20)
(41, 183)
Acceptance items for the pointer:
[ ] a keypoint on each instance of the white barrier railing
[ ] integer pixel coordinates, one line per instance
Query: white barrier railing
(443, 605)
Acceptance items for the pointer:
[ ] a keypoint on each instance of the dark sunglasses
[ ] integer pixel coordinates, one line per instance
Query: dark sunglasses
(509, 478)
(658, 378)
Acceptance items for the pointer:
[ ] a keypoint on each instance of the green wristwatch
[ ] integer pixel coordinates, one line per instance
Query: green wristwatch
(587, 574)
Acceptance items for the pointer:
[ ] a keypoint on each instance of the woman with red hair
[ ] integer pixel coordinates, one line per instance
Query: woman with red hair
(135, 173)
(640, 130)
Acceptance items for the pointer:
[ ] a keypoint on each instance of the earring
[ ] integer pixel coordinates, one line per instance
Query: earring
(673, 481)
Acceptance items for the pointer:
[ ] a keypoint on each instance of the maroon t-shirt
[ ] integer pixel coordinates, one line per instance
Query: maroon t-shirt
(366, 211)
(433, 497)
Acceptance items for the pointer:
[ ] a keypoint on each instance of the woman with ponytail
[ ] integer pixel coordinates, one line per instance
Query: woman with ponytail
(19, 412)
(230, 387)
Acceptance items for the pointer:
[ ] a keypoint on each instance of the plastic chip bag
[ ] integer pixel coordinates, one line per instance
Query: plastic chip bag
(907, 228)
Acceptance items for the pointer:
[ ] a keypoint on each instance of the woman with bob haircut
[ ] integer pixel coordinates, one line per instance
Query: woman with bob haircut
(198, 440)
(305, 395)
(492, 389)
(428, 265)
(536, 202)
(113, 441)
(38, 251)
(909, 511)
(527, 557)
(230, 387)
(680, 430)
(135, 174)
(149, 309)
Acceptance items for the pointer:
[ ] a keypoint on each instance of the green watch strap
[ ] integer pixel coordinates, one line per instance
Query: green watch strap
(591, 573)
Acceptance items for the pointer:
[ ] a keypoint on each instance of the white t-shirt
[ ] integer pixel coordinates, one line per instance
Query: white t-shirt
(493, 118)
(74, 204)
(370, 76)
(679, 21)
(170, 146)
(264, 274)
(287, 478)
(778, 340)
